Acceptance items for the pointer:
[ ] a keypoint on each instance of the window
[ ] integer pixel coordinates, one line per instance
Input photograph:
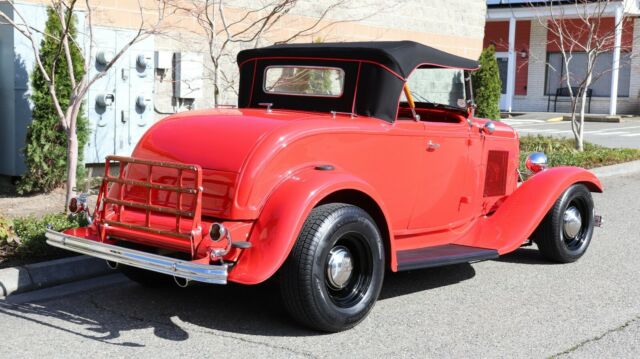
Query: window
(601, 86)
(304, 81)
(438, 85)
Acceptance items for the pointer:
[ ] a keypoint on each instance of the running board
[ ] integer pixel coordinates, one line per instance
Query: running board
(442, 255)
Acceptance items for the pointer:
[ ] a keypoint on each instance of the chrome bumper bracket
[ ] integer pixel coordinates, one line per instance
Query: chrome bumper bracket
(215, 274)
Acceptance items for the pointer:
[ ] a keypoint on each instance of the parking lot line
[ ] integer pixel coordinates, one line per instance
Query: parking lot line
(608, 133)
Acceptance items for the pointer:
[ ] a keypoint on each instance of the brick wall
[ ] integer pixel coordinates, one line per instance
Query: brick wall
(535, 100)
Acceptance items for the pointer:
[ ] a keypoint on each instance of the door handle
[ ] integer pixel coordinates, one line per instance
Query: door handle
(432, 146)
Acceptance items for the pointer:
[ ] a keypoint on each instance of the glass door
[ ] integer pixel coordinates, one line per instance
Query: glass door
(503, 64)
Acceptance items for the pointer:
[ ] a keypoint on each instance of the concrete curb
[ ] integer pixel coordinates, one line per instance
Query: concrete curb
(620, 169)
(51, 273)
(597, 118)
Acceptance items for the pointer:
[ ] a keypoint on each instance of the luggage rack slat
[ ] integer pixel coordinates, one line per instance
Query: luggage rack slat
(154, 185)
(153, 208)
(147, 229)
(152, 163)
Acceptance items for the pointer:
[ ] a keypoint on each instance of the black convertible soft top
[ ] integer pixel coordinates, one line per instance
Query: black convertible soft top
(401, 57)
(375, 73)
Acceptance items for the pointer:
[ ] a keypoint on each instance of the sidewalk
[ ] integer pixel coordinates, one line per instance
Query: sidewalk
(559, 116)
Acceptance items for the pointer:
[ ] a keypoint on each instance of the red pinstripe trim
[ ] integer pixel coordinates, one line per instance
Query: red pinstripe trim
(253, 81)
(355, 92)
(322, 58)
(441, 66)
(355, 60)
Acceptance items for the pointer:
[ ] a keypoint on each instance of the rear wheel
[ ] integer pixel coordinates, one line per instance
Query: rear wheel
(333, 275)
(565, 232)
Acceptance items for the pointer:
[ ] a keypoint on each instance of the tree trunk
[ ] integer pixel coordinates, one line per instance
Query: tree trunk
(583, 98)
(216, 88)
(580, 139)
(576, 126)
(72, 163)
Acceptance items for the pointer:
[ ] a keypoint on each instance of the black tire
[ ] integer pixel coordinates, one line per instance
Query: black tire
(147, 278)
(310, 294)
(554, 240)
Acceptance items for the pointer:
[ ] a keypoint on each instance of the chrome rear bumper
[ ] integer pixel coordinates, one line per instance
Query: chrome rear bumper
(216, 274)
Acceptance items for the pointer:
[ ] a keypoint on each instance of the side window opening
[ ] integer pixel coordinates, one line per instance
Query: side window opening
(434, 90)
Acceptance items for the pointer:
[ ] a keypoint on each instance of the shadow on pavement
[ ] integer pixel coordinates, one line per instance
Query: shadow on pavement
(174, 312)
(525, 256)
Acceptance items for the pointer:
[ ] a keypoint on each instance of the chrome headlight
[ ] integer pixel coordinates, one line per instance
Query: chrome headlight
(536, 162)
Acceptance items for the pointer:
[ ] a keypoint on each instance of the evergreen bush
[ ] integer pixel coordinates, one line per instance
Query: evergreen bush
(46, 143)
(487, 86)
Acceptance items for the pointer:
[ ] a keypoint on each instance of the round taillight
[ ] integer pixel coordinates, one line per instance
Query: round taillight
(217, 232)
(73, 205)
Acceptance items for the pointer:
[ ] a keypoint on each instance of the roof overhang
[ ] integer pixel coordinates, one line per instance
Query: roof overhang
(498, 10)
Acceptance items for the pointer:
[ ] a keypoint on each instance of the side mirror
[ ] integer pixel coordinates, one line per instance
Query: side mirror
(489, 127)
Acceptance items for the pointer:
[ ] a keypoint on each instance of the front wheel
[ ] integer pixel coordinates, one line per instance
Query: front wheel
(565, 232)
(333, 275)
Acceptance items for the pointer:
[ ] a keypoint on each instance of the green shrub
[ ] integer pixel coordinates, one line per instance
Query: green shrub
(487, 85)
(46, 143)
(30, 232)
(562, 152)
(5, 230)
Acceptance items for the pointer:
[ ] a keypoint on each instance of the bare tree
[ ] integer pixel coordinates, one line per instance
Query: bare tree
(586, 31)
(226, 33)
(68, 113)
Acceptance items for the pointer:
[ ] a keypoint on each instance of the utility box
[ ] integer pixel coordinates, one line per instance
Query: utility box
(163, 59)
(188, 75)
(120, 104)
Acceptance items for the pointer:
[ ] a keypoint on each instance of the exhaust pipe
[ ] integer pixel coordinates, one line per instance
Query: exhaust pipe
(181, 282)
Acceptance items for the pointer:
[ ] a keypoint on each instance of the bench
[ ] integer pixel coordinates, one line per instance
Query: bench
(563, 95)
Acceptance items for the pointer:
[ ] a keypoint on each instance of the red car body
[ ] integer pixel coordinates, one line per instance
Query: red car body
(260, 170)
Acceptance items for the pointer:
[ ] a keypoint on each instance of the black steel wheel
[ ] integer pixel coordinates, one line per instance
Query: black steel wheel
(334, 273)
(565, 232)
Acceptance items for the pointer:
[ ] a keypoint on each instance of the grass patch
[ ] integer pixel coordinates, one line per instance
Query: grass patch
(23, 241)
(562, 152)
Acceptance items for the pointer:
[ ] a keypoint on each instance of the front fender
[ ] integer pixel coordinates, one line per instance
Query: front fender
(276, 229)
(519, 215)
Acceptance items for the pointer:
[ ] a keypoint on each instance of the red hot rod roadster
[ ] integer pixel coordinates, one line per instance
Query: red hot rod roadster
(340, 161)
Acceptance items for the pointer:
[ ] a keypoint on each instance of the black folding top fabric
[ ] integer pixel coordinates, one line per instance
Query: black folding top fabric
(401, 57)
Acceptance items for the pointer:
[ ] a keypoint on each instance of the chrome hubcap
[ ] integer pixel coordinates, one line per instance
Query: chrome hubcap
(572, 222)
(339, 267)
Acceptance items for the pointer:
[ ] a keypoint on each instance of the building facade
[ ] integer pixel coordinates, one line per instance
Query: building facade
(172, 70)
(531, 63)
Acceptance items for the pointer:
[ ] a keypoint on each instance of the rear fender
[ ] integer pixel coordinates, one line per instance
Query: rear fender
(519, 215)
(276, 229)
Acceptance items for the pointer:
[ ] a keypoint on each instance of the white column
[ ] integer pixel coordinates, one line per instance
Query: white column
(615, 65)
(511, 65)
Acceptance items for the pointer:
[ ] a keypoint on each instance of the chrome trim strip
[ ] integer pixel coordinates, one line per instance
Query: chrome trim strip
(216, 274)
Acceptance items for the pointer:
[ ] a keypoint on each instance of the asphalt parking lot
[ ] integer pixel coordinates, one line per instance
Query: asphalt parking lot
(517, 306)
(623, 134)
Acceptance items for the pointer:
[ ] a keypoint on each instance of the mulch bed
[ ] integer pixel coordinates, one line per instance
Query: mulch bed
(10, 258)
